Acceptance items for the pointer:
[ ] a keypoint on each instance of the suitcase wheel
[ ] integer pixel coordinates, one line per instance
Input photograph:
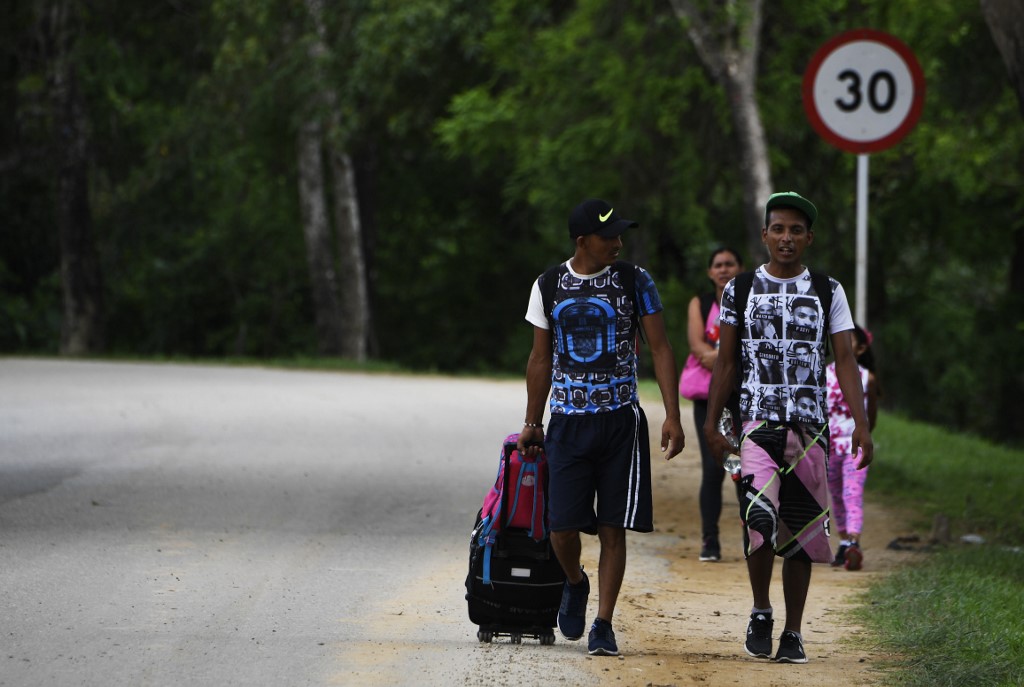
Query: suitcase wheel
(484, 636)
(516, 638)
(547, 639)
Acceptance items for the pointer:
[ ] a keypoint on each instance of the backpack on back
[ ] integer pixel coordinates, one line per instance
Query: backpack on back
(548, 283)
(742, 284)
(745, 281)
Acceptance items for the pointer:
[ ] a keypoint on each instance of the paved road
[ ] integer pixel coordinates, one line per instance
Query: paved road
(202, 525)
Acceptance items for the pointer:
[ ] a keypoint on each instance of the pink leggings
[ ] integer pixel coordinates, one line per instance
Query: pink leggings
(846, 487)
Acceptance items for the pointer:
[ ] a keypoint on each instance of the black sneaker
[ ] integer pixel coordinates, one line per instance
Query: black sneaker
(572, 613)
(602, 639)
(759, 636)
(840, 558)
(791, 648)
(710, 550)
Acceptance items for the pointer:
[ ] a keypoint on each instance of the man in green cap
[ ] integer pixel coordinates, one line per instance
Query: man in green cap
(784, 449)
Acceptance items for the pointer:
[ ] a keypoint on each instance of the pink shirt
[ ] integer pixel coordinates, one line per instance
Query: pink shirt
(840, 419)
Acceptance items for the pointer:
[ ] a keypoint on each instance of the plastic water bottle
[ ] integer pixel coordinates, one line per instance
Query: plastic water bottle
(731, 461)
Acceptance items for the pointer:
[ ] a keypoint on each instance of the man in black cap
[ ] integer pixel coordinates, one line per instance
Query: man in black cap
(586, 314)
(784, 446)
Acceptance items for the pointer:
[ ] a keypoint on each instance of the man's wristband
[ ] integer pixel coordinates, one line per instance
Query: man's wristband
(539, 425)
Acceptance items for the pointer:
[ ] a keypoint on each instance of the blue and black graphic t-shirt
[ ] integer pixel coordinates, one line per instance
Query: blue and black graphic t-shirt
(594, 338)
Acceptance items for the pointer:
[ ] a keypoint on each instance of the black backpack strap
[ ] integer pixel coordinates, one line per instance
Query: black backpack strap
(627, 276)
(742, 284)
(627, 279)
(548, 283)
(706, 301)
(823, 287)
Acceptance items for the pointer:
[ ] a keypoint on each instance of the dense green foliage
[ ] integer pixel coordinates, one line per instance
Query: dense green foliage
(475, 127)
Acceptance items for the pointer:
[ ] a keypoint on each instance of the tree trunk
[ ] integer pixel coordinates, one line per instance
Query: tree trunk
(348, 307)
(727, 40)
(82, 326)
(355, 303)
(757, 175)
(1005, 19)
(319, 255)
(364, 165)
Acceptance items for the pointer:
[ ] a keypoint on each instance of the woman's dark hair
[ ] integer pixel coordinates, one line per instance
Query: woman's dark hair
(867, 358)
(725, 249)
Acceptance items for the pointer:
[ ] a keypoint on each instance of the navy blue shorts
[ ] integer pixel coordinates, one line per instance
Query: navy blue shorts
(604, 455)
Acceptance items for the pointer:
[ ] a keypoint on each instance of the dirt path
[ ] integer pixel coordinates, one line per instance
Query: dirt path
(682, 622)
(678, 622)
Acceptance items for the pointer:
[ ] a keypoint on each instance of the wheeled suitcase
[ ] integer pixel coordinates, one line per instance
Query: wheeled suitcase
(514, 585)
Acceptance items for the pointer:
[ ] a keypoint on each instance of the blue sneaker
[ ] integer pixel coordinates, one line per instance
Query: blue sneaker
(602, 639)
(572, 614)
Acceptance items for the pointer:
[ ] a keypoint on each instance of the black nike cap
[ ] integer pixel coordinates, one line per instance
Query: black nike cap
(594, 216)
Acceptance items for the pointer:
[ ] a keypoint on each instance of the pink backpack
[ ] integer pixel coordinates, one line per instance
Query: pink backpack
(517, 499)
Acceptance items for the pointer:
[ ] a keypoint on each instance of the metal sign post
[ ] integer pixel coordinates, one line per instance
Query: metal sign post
(861, 314)
(863, 91)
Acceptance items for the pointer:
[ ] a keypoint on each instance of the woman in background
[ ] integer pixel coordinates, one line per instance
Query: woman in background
(702, 334)
(845, 480)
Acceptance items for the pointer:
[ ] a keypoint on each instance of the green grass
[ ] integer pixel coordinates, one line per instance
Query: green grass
(977, 484)
(955, 619)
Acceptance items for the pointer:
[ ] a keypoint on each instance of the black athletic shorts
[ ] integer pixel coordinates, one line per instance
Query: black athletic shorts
(604, 455)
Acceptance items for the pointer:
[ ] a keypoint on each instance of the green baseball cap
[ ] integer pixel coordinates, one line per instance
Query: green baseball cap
(791, 199)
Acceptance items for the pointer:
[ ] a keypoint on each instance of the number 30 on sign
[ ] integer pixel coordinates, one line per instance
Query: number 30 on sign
(863, 91)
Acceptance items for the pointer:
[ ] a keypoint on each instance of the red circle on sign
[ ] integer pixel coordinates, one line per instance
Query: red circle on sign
(811, 74)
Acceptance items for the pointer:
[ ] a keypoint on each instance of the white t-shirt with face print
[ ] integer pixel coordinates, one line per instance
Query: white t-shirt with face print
(782, 346)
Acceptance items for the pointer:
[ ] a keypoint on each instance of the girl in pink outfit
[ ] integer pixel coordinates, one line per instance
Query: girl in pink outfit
(845, 480)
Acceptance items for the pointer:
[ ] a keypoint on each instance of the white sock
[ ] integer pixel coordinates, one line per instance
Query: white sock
(766, 612)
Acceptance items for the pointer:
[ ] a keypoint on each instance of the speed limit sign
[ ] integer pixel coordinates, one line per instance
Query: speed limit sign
(863, 91)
